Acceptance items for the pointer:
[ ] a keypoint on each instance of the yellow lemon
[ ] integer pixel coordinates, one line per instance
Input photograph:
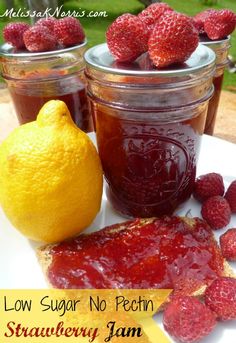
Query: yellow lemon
(50, 176)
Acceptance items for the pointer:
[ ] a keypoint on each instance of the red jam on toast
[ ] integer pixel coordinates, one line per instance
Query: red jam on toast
(170, 252)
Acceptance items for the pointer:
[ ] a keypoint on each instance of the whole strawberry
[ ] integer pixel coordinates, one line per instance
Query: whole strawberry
(220, 24)
(153, 13)
(39, 38)
(127, 38)
(228, 244)
(69, 31)
(208, 185)
(220, 297)
(173, 39)
(216, 211)
(48, 22)
(230, 196)
(200, 18)
(13, 34)
(188, 320)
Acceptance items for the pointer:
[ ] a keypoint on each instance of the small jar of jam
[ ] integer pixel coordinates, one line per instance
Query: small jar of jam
(35, 78)
(148, 126)
(221, 48)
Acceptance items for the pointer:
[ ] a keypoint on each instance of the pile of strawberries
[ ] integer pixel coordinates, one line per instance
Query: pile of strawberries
(217, 208)
(47, 34)
(168, 36)
(215, 24)
(186, 318)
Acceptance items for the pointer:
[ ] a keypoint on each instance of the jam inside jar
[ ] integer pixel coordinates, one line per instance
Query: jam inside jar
(148, 126)
(213, 104)
(35, 78)
(28, 98)
(221, 48)
(150, 167)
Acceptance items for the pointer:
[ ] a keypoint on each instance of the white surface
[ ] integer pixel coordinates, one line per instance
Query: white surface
(19, 267)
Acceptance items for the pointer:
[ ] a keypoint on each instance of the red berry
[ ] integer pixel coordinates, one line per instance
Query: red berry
(200, 18)
(48, 22)
(207, 186)
(230, 196)
(39, 38)
(216, 211)
(153, 13)
(69, 31)
(13, 34)
(220, 297)
(127, 38)
(220, 24)
(173, 39)
(228, 244)
(188, 320)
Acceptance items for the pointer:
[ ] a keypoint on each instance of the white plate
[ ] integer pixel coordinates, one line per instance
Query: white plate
(19, 268)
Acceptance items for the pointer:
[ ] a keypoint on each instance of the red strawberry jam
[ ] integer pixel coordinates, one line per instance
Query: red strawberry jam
(153, 168)
(27, 106)
(151, 253)
(35, 78)
(221, 48)
(213, 105)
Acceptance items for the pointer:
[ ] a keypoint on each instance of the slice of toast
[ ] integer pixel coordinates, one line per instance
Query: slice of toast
(169, 252)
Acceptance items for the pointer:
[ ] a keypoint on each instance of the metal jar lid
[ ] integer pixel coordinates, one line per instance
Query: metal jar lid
(142, 86)
(7, 50)
(100, 59)
(220, 47)
(25, 66)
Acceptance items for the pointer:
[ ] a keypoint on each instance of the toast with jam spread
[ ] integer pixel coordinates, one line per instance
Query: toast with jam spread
(170, 252)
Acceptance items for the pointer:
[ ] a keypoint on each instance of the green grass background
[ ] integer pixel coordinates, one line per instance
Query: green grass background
(95, 28)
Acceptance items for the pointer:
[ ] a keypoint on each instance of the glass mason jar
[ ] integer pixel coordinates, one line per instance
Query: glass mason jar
(35, 78)
(221, 48)
(148, 125)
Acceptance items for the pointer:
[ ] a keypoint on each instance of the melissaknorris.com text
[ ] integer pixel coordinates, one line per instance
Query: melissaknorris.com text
(49, 12)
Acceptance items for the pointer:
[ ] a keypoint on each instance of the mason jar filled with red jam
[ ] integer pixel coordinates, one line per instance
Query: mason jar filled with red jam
(221, 48)
(35, 78)
(149, 124)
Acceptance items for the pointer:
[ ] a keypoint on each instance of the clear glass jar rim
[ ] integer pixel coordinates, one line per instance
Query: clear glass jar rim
(99, 58)
(6, 50)
(209, 42)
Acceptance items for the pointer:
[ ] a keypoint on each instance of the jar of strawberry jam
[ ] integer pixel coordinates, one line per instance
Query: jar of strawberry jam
(35, 78)
(221, 48)
(149, 124)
